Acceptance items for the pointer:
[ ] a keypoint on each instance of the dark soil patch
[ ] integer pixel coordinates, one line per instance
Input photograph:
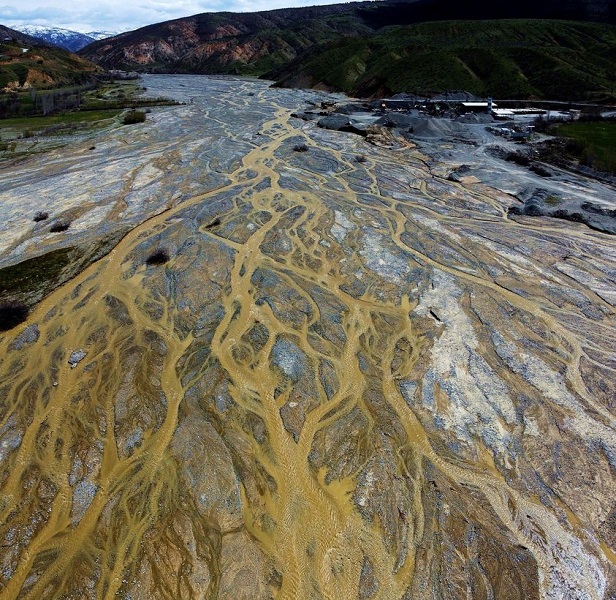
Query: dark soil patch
(12, 314)
(34, 274)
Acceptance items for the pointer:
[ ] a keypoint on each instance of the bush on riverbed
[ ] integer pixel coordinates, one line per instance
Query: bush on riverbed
(58, 226)
(134, 116)
(158, 257)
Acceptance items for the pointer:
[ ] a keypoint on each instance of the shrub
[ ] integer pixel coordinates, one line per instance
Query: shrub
(40, 216)
(12, 314)
(58, 226)
(360, 158)
(158, 257)
(134, 116)
(300, 148)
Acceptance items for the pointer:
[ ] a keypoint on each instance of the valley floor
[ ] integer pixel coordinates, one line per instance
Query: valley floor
(354, 377)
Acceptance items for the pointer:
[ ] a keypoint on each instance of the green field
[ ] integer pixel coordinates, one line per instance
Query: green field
(37, 123)
(100, 107)
(597, 143)
(70, 102)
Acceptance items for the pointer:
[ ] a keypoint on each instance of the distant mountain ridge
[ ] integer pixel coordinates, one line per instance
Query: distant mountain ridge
(256, 43)
(8, 34)
(247, 43)
(64, 38)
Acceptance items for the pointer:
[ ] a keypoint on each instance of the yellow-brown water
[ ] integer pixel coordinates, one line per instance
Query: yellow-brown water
(242, 423)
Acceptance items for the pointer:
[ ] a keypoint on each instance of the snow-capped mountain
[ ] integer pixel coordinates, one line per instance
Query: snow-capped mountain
(65, 38)
(101, 35)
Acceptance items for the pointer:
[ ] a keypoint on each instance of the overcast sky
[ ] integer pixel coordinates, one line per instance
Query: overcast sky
(123, 15)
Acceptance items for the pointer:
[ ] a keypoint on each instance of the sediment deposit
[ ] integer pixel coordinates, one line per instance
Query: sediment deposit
(353, 377)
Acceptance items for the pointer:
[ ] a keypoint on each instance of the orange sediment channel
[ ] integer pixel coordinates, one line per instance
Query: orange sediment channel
(95, 488)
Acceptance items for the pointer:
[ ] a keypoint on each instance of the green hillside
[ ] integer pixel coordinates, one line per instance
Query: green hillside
(27, 62)
(504, 58)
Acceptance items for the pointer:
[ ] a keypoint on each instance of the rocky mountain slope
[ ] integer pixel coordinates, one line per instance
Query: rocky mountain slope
(256, 43)
(226, 42)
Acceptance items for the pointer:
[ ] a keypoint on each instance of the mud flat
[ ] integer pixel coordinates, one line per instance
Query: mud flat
(300, 373)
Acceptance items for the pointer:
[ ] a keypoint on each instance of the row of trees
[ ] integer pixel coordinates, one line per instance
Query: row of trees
(42, 102)
(52, 101)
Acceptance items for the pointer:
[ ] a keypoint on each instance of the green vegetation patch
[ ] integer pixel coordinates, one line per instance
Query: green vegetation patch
(43, 66)
(73, 100)
(596, 143)
(134, 116)
(31, 123)
(30, 276)
(505, 59)
(342, 64)
(31, 280)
